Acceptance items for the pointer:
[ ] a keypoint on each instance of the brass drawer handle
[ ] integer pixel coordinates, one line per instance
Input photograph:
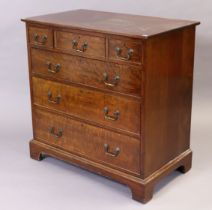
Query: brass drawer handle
(53, 101)
(114, 81)
(83, 48)
(58, 134)
(40, 39)
(114, 153)
(112, 118)
(56, 68)
(119, 52)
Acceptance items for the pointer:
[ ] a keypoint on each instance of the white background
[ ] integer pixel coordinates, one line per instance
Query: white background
(51, 184)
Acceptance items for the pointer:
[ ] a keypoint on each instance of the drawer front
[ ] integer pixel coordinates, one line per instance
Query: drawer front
(125, 50)
(85, 140)
(78, 44)
(42, 37)
(109, 110)
(108, 76)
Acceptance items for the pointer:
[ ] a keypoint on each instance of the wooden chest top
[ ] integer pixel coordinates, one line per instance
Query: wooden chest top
(113, 23)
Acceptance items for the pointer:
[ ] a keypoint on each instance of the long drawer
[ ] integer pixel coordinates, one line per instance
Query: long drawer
(109, 110)
(97, 144)
(107, 76)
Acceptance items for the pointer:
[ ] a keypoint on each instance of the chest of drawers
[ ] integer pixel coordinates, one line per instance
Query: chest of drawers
(112, 93)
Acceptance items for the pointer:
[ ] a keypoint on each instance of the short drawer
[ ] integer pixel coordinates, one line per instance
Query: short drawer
(126, 50)
(78, 44)
(41, 37)
(98, 74)
(94, 143)
(105, 109)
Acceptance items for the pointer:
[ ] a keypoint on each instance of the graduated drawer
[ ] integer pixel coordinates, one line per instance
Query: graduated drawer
(42, 37)
(80, 44)
(89, 141)
(126, 50)
(108, 76)
(107, 110)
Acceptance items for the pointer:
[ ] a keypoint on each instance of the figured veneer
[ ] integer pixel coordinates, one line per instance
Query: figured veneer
(112, 93)
(88, 141)
(129, 51)
(88, 104)
(42, 37)
(80, 44)
(92, 73)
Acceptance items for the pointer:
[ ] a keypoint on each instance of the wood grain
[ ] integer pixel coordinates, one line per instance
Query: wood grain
(168, 95)
(95, 45)
(41, 32)
(88, 141)
(88, 104)
(125, 45)
(88, 72)
(150, 135)
(137, 26)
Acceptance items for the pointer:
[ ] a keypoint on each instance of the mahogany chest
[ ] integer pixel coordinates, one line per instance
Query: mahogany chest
(112, 93)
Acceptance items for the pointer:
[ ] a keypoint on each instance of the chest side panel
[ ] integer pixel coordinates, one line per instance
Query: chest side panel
(168, 96)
